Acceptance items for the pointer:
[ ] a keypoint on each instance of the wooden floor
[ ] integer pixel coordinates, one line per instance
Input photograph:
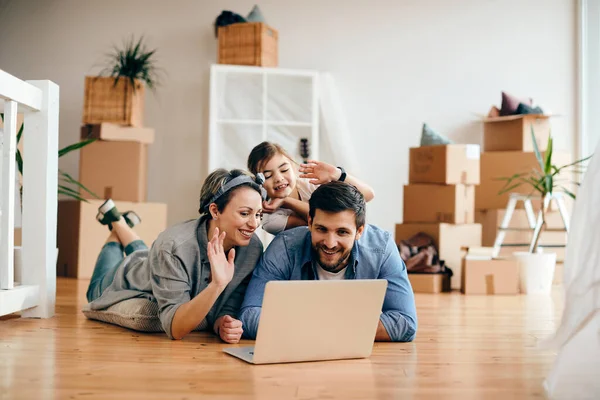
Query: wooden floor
(467, 347)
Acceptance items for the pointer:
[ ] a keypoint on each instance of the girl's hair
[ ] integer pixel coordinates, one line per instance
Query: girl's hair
(262, 154)
(214, 184)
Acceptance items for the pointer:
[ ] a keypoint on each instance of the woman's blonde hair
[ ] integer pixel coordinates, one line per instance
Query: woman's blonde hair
(262, 154)
(217, 180)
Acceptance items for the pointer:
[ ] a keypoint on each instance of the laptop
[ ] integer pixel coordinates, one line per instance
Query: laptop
(316, 321)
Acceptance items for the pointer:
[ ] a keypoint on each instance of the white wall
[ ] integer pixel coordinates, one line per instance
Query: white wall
(396, 63)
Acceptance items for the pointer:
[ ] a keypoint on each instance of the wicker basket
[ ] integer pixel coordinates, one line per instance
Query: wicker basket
(251, 43)
(120, 104)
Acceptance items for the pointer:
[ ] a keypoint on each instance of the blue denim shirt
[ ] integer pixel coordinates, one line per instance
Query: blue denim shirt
(374, 256)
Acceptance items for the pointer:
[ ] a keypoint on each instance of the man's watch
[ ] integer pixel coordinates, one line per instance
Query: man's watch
(343, 175)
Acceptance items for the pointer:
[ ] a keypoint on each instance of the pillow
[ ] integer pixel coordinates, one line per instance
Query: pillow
(255, 15)
(138, 314)
(227, 18)
(525, 109)
(511, 103)
(429, 137)
(494, 112)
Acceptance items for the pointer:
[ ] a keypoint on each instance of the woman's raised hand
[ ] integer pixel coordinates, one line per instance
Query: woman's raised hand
(221, 267)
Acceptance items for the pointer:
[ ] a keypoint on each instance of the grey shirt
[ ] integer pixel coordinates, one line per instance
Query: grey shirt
(175, 269)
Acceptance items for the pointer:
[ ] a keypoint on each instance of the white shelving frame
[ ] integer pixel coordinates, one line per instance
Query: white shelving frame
(35, 294)
(216, 156)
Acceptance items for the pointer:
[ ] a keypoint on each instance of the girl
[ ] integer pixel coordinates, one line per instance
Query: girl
(197, 271)
(288, 204)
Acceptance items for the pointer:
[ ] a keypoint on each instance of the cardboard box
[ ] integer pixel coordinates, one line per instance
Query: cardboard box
(504, 164)
(80, 236)
(449, 239)
(513, 132)
(490, 277)
(116, 170)
(114, 132)
(454, 204)
(445, 164)
(429, 283)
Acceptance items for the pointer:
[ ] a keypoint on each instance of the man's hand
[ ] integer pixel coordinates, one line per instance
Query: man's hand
(272, 205)
(319, 172)
(229, 329)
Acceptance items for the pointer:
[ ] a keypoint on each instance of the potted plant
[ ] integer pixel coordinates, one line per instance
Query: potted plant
(117, 94)
(536, 267)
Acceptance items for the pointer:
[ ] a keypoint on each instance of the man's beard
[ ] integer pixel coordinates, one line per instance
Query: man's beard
(335, 267)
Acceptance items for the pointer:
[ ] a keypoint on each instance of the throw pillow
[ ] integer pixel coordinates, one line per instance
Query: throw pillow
(255, 15)
(429, 137)
(511, 103)
(138, 314)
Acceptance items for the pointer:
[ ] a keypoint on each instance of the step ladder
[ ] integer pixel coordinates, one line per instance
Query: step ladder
(535, 224)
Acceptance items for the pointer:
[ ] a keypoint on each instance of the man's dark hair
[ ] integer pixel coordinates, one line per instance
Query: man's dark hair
(337, 197)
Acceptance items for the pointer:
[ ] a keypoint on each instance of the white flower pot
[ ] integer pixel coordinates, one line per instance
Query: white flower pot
(536, 271)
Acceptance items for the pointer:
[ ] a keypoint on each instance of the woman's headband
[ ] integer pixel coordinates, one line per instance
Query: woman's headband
(240, 180)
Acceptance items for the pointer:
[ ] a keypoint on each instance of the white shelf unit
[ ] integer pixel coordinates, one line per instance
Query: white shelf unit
(249, 105)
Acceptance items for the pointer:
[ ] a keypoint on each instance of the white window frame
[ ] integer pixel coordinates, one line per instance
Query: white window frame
(588, 54)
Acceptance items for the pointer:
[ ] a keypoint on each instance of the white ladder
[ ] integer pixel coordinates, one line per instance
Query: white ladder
(534, 224)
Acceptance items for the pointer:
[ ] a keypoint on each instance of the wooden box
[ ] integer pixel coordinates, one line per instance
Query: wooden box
(251, 43)
(106, 102)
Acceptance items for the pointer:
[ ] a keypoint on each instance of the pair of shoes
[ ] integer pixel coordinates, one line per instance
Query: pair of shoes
(108, 213)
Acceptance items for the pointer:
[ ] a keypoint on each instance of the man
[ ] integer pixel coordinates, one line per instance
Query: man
(337, 245)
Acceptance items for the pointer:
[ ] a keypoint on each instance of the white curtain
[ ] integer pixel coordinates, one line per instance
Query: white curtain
(576, 370)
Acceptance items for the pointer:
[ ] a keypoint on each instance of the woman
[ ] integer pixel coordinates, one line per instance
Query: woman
(288, 196)
(197, 271)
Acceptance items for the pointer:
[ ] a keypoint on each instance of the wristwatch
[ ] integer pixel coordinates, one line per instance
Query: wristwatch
(343, 175)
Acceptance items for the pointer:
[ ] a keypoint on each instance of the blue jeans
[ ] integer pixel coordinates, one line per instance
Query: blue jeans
(107, 264)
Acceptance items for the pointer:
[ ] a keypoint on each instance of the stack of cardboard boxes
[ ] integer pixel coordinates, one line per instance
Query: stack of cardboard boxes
(508, 149)
(440, 202)
(114, 166)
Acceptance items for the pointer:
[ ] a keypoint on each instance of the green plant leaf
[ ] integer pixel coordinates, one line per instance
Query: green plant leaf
(515, 176)
(536, 184)
(19, 162)
(548, 184)
(508, 189)
(74, 146)
(68, 190)
(568, 192)
(76, 197)
(132, 61)
(69, 178)
(548, 166)
(20, 133)
(576, 162)
(536, 150)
